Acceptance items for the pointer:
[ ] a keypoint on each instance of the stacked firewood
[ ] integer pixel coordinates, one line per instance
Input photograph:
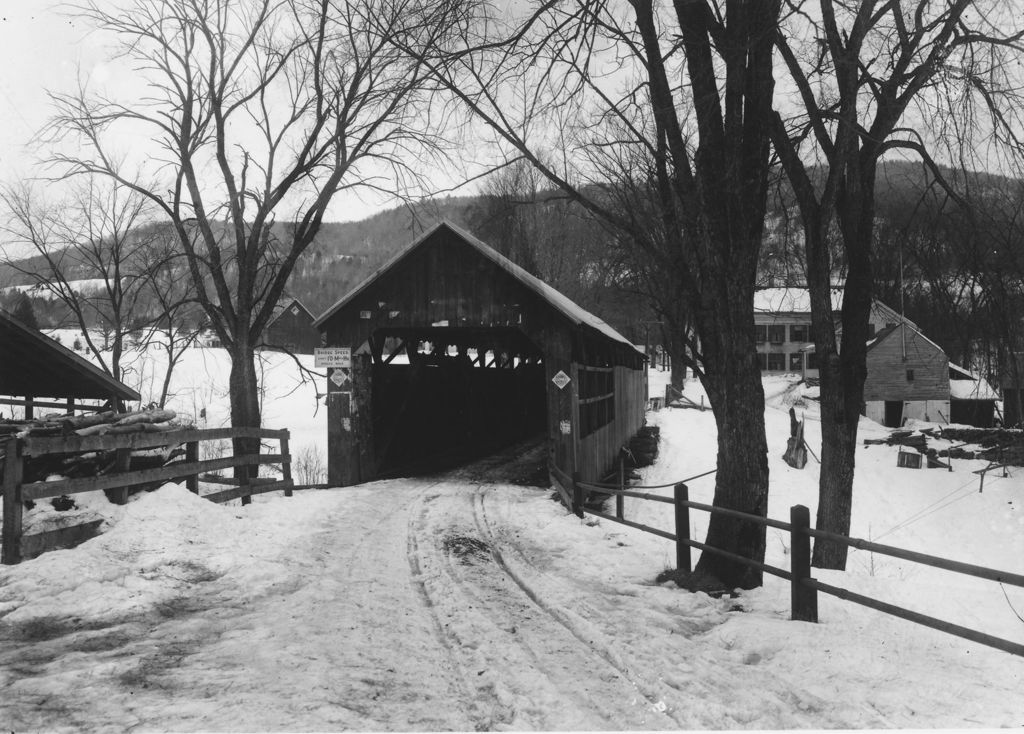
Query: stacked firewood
(92, 463)
(150, 420)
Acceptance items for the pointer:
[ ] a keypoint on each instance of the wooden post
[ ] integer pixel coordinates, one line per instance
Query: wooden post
(191, 457)
(122, 462)
(619, 499)
(577, 495)
(803, 598)
(29, 408)
(245, 477)
(286, 462)
(682, 496)
(13, 508)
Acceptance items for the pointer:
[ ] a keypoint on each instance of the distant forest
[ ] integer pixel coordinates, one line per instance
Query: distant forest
(954, 264)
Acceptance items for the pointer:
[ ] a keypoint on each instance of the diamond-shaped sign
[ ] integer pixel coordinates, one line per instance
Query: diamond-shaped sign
(339, 378)
(561, 379)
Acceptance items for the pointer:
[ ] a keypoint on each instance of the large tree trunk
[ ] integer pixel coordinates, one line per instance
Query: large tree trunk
(245, 404)
(733, 382)
(842, 374)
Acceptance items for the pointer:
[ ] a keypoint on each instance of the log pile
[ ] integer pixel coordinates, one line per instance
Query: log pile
(644, 446)
(93, 463)
(151, 420)
(990, 444)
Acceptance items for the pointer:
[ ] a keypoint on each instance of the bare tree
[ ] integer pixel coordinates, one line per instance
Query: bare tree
(870, 78)
(260, 112)
(175, 319)
(691, 85)
(92, 256)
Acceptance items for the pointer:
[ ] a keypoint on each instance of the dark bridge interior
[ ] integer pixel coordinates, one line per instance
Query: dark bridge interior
(446, 395)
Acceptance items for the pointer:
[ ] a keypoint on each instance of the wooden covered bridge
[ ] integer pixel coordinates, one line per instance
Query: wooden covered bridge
(451, 347)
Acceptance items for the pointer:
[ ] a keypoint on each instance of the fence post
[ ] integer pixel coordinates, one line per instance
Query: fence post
(122, 461)
(682, 496)
(245, 480)
(13, 508)
(192, 457)
(286, 462)
(620, 501)
(803, 598)
(577, 495)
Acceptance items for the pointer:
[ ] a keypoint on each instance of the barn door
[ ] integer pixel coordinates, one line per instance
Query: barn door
(893, 413)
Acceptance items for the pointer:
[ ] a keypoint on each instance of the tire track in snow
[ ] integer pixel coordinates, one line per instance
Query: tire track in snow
(605, 653)
(469, 693)
(715, 688)
(525, 663)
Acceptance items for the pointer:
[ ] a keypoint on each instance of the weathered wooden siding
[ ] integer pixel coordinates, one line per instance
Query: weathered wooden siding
(599, 451)
(887, 369)
(446, 282)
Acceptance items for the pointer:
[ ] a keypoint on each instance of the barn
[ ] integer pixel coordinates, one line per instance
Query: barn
(291, 328)
(451, 348)
(908, 377)
(34, 366)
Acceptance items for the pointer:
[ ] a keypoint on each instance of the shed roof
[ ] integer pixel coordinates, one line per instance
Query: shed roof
(32, 364)
(575, 313)
(965, 385)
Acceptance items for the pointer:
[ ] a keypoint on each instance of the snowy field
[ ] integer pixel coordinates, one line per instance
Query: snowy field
(445, 603)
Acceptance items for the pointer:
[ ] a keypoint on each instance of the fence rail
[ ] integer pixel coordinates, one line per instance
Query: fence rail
(121, 479)
(803, 587)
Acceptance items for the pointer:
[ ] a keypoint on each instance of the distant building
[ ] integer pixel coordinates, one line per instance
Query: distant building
(291, 328)
(782, 321)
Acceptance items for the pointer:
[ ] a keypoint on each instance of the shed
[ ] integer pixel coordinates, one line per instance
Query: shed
(32, 365)
(452, 346)
(908, 377)
(972, 401)
(291, 328)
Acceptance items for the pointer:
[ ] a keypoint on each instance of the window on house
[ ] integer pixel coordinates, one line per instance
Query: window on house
(761, 332)
(799, 333)
(777, 333)
(762, 361)
(796, 362)
(776, 362)
(910, 375)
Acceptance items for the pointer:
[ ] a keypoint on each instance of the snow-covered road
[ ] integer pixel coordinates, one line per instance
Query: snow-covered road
(436, 604)
(398, 610)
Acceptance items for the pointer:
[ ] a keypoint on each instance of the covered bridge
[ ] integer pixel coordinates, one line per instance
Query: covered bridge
(450, 347)
(34, 366)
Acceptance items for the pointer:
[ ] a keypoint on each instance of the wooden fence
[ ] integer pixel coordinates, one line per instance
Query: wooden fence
(803, 587)
(121, 479)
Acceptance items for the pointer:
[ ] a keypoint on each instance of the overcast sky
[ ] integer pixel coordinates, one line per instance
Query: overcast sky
(39, 50)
